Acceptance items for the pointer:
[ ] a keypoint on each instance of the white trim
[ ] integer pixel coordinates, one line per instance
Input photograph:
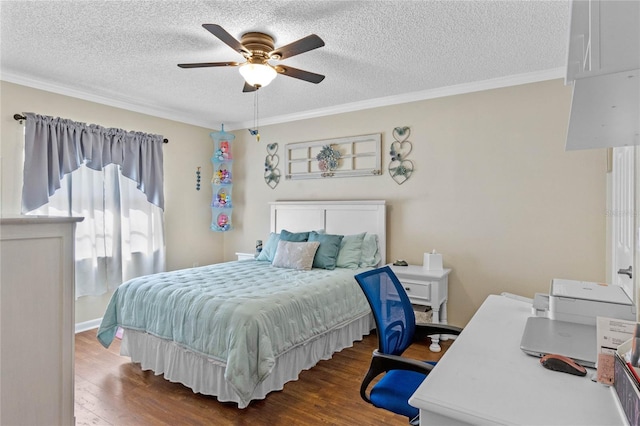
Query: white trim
(121, 102)
(478, 86)
(135, 105)
(88, 325)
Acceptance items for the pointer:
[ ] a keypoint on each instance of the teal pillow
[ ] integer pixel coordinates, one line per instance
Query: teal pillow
(296, 237)
(269, 249)
(350, 251)
(327, 252)
(370, 255)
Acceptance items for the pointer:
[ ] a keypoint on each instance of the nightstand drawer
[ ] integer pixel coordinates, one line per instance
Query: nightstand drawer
(417, 289)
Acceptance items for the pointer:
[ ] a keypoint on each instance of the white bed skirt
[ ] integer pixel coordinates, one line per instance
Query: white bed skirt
(206, 376)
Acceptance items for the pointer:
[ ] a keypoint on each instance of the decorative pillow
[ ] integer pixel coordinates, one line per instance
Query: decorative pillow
(327, 253)
(296, 237)
(269, 249)
(294, 255)
(350, 251)
(370, 256)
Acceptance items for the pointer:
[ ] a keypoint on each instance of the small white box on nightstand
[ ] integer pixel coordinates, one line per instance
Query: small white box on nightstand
(432, 261)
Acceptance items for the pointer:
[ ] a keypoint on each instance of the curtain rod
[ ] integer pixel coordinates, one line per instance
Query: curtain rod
(20, 117)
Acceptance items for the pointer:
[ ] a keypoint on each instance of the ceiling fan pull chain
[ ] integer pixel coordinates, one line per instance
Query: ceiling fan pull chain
(254, 131)
(255, 116)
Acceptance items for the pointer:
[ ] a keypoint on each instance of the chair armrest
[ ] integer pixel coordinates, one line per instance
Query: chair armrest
(396, 362)
(381, 363)
(425, 330)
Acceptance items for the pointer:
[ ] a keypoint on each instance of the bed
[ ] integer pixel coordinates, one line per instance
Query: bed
(239, 330)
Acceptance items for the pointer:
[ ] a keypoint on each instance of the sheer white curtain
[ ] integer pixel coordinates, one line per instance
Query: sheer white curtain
(112, 178)
(122, 234)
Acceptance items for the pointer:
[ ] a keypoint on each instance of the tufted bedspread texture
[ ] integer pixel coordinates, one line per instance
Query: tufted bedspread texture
(243, 314)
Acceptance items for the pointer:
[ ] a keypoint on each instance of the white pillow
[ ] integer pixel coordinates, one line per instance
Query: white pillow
(350, 251)
(370, 255)
(294, 255)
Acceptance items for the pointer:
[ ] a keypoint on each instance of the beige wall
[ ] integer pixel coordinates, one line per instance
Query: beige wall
(187, 211)
(493, 188)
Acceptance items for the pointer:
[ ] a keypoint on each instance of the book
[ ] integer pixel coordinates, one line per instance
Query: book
(612, 334)
(627, 389)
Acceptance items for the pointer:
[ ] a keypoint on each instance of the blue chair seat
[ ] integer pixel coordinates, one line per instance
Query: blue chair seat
(393, 390)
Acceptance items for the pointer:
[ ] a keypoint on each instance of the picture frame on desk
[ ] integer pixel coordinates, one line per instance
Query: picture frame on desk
(627, 390)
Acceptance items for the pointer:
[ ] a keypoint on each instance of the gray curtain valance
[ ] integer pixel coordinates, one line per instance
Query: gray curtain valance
(55, 147)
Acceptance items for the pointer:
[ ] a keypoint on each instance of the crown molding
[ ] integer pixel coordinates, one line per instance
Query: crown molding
(122, 102)
(136, 106)
(477, 86)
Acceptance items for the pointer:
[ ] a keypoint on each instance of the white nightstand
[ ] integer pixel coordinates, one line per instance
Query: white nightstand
(427, 288)
(245, 256)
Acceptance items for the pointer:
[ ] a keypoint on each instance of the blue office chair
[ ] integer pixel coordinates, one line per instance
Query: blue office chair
(397, 330)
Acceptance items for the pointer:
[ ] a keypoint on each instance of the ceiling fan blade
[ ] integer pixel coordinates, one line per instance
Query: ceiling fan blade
(227, 38)
(209, 64)
(248, 88)
(305, 44)
(300, 74)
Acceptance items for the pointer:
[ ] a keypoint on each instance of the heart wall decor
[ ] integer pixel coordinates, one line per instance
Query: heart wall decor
(400, 169)
(271, 161)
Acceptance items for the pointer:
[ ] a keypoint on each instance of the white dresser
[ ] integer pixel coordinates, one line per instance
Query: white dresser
(37, 320)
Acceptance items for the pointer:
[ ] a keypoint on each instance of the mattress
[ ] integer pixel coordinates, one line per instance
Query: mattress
(240, 316)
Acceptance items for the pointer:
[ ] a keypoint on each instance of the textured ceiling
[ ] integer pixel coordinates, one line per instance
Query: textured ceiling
(124, 53)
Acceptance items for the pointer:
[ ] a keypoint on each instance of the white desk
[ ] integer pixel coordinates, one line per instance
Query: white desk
(484, 378)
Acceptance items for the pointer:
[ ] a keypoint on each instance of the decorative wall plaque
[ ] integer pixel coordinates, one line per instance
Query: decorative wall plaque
(271, 161)
(340, 157)
(400, 168)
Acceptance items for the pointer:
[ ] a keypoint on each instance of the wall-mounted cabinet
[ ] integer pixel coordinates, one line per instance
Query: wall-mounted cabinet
(604, 68)
(605, 111)
(604, 38)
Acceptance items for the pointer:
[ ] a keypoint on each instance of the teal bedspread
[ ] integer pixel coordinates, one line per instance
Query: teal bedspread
(243, 314)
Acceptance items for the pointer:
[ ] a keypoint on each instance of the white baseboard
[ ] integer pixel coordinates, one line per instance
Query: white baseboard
(88, 325)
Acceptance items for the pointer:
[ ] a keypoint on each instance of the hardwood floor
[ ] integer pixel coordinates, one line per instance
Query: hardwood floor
(110, 390)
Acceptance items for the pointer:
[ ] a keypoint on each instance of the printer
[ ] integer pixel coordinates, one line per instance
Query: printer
(582, 302)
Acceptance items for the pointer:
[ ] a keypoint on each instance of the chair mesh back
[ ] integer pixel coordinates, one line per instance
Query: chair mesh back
(391, 308)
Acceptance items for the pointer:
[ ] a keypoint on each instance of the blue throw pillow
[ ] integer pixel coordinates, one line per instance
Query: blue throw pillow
(327, 253)
(296, 237)
(269, 250)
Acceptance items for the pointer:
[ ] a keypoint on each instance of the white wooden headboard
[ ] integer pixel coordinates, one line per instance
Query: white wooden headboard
(335, 217)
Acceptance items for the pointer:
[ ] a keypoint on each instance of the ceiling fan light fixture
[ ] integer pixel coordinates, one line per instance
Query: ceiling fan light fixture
(258, 75)
(258, 50)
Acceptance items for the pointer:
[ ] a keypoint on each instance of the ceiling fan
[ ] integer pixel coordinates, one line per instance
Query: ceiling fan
(258, 50)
